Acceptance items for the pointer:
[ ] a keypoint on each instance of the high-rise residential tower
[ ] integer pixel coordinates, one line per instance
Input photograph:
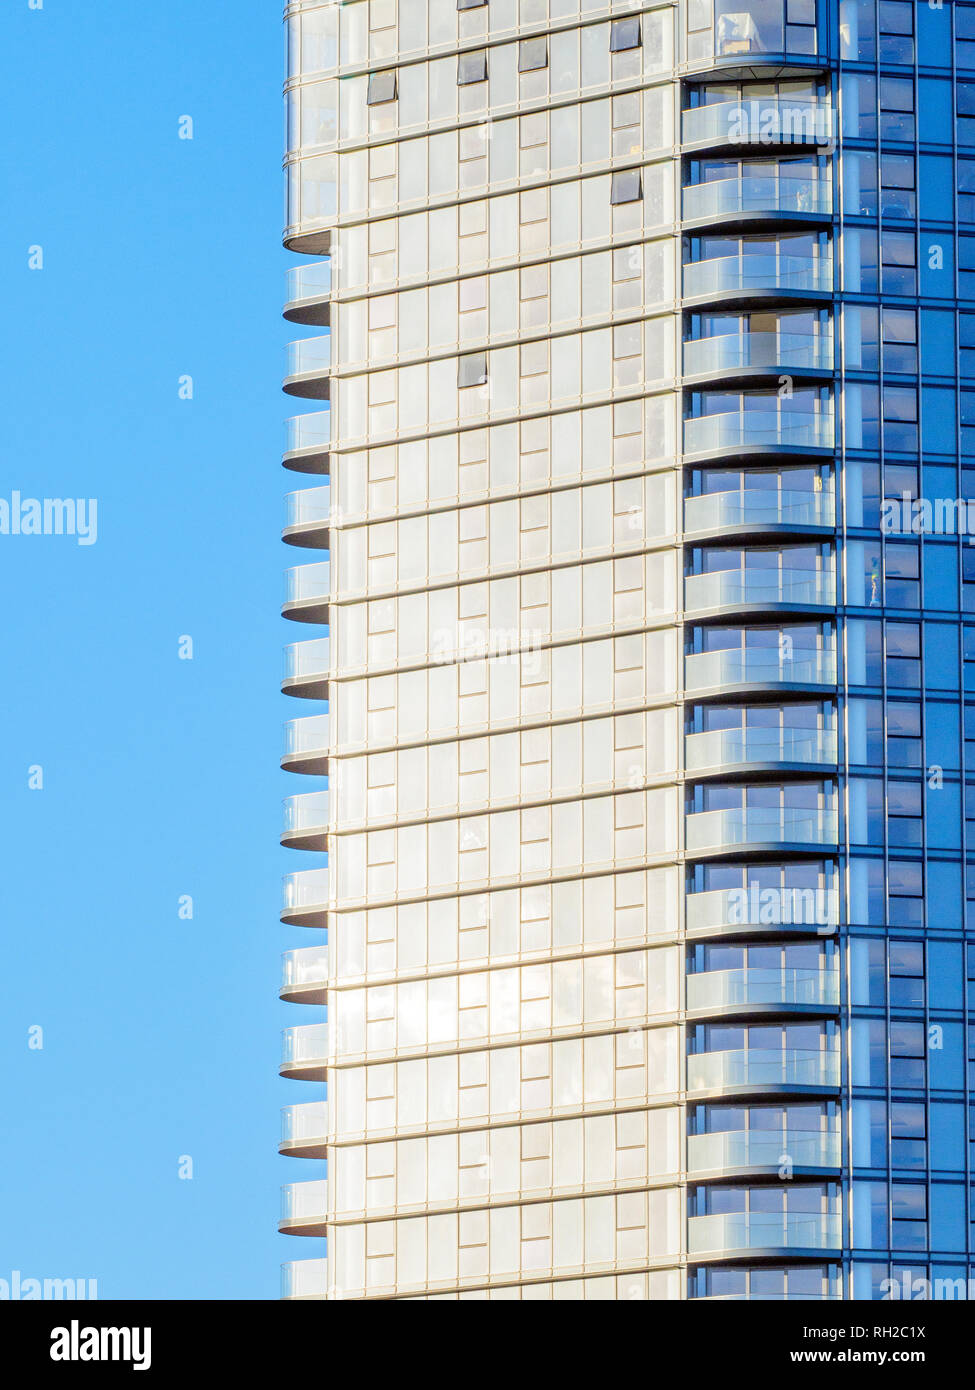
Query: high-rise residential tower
(641, 348)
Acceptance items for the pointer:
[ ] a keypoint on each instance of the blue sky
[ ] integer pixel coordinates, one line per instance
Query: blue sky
(161, 258)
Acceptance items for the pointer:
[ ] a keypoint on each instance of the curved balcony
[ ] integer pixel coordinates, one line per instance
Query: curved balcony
(309, 364)
(738, 668)
(308, 292)
(762, 1151)
(759, 829)
(304, 1051)
(304, 1279)
(306, 745)
(768, 431)
(304, 1207)
(307, 591)
(757, 195)
(757, 588)
(763, 273)
(307, 517)
(759, 121)
(307, 441)
(772, 1233)
(755, 1070)
(757, 911)
(754, 990)
(751, 509)
(303, 975)
(731, 353)
(305, 898)
(306, 668)
(304, 1130)
(306, 819)
(721, 750)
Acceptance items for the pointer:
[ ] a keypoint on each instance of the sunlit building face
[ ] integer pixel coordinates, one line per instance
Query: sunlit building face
(640, 383)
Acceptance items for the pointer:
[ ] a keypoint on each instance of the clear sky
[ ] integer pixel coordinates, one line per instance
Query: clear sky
(161, 258)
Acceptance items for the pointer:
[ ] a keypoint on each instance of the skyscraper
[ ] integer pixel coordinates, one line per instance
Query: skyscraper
(641, 702)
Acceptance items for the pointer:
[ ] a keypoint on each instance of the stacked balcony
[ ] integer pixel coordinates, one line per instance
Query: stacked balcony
(761, 751)
(306, 820)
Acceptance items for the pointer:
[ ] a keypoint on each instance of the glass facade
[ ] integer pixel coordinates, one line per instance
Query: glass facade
(638, 847)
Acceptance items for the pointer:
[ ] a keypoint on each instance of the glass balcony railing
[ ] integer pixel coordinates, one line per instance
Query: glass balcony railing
(304, 891)
(715, 1071)
(304, 1279)
(768, 193)
(728, 989)
(308, 584)
(307, 508)
(307, 660)
(307, 434)
(304, 1203)
(759, 507)
(760, 1148)
(304, 970)
(309, 282)
(772, 909)
(776, 351)
(309, 357)
(765, 825)
(305, 815)
(737, 429)
(304, 1126)
(304, 1046)
(756, 1230)
(736, 747)
(306, 738)
(754, 271)
(759, 666)
(762, 120)
(762, 1297)
(733, 588)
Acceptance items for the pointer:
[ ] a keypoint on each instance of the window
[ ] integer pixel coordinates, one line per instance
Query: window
(624, 34)
(907, 974)
(968, 599)
(902, 575)
(965, 35)
(900, 418)
(909, 1216)
(382, 87)
(900, 340)
(966, 191)
(965, 108)
(472, 369)
(899, 260)
(908, 1133)
(904, 814)
(903, 734)
(896, 108)
(896, 22)
(903, 664)
(966, 343)
(906, 1055)
(532, 54)
(905, 886)
(470, 4)
(472, 67)
(627, 187)
(897, 185)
